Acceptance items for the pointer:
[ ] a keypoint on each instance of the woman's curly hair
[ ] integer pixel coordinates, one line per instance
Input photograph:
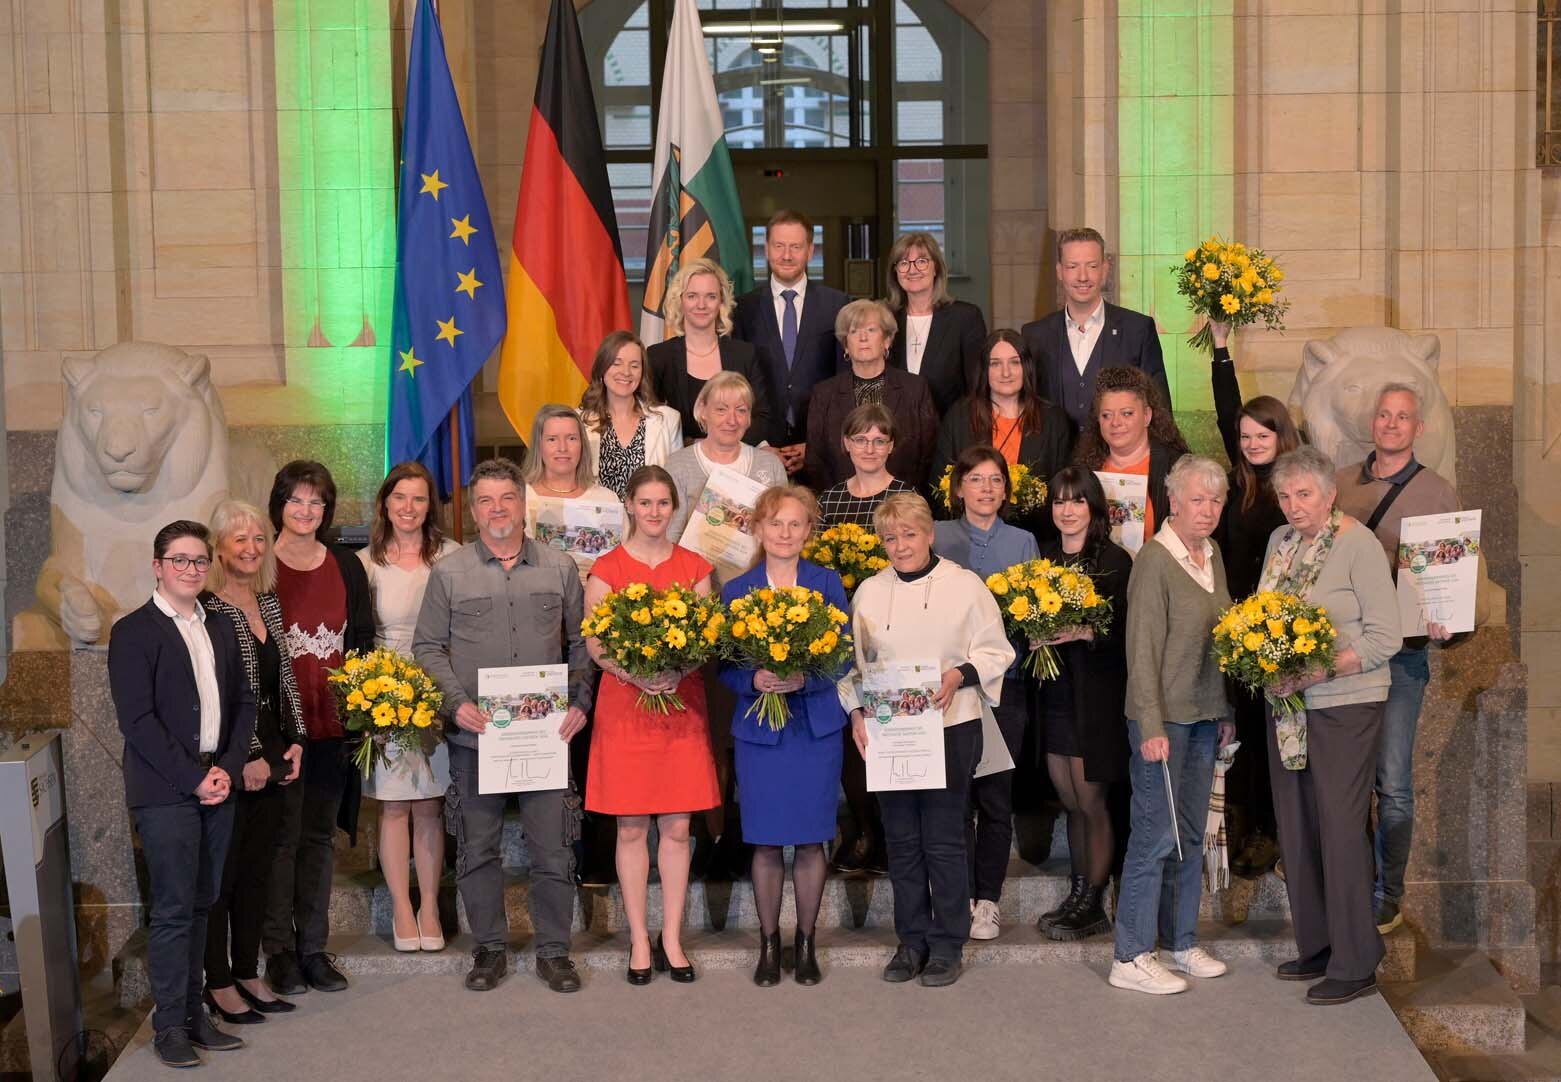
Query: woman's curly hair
(1092, 450)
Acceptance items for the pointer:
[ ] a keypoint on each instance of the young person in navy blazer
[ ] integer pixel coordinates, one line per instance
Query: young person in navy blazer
(787, 779)
(187, 712)
(1088, 328)
(761, 318)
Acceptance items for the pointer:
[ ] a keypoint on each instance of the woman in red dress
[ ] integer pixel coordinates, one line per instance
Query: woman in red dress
(645, 764)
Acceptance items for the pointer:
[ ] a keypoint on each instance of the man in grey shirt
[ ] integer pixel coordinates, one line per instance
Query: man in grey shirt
(506, 600)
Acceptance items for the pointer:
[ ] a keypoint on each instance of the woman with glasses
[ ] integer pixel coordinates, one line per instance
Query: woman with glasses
(940, 337)
(327, 611)
(868, 439)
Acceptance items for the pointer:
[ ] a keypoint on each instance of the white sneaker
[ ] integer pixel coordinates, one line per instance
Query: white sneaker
(983, 920)
(1196, 962)
(1146, 974)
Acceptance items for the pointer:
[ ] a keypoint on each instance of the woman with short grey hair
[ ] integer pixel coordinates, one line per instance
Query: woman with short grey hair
(1322, 759)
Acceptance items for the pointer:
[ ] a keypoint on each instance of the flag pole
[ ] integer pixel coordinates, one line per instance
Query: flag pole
(457, 515)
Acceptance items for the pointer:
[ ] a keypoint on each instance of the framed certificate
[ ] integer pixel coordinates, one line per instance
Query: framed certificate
(520, 751)
(904, 728)
(1438, 571)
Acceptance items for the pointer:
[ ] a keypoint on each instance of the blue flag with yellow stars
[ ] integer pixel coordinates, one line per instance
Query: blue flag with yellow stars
(449, 298)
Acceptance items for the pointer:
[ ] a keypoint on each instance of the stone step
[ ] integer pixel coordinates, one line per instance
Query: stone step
(1459, 1004)
(360, 902)
(1540, 1060)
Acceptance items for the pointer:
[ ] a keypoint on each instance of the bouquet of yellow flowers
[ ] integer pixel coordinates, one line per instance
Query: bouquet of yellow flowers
(651, 633)
(1028, 490)
(1230, 283)
(1038, 599)
(388, 698)
(853, 552)
(789, 631)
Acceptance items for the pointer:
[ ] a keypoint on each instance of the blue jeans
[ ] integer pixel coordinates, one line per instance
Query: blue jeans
(1396, 770)
(1159, 892)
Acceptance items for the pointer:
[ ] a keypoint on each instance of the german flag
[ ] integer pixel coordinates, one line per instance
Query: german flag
(566, 289)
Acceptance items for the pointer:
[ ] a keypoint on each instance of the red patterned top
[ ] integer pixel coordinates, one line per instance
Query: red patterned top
(314, 619)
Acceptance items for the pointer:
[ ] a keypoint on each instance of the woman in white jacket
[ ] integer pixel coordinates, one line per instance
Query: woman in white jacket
(923, 607)
(625, 423)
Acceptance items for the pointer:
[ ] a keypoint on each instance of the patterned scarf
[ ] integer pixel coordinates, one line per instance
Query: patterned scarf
(1216, 847)
(1293, 569)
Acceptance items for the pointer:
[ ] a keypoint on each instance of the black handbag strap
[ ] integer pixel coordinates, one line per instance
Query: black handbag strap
(1388, 497)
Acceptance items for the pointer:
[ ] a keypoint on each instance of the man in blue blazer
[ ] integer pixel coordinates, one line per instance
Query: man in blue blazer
(1073, 344)
(186, 710)
(792, 323)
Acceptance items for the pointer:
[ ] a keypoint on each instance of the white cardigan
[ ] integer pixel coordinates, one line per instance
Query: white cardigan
(663, 435)
(948, 613)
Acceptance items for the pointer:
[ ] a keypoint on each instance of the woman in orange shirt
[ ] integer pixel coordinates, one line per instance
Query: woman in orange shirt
(1134, 434)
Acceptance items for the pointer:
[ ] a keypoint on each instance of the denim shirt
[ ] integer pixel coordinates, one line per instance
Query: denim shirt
(987, 552)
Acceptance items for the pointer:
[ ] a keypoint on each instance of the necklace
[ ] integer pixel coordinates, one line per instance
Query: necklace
(558, 491)
(692, 352)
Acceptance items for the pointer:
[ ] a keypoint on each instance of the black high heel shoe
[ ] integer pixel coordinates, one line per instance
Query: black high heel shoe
(234, 1018)
(767, 973)
(805, 966)
(639, 977)
(264, 1006)
(679, 974)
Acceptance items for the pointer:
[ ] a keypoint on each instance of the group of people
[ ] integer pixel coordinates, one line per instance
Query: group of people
(235, 760)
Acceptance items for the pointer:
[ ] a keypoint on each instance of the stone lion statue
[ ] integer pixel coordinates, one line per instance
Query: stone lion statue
(143, 441)
(1336, 391)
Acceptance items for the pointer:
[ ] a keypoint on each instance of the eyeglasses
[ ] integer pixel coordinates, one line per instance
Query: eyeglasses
(308, 505)
(184, 563)
(990, 481)
(863, 443)
(920, 263)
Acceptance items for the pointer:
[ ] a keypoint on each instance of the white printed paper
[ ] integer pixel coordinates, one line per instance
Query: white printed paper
(1127, 499)
(994, 749)
(582, 528)
(520, 751)
(904, 728)
(1438, 571)
(720, 526)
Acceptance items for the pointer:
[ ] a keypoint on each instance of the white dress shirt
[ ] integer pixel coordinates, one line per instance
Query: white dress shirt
(192, 629)
(1083, 336)
(1171, 541)
(776, 288)
(917, 328)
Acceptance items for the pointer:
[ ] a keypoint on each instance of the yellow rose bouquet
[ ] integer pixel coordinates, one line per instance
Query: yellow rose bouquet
(1028, 491)
(650, 633)
(790, 631)
(389, 699)
(1040, 599)
(853, 552)
(1230, 283)
(1268, 639)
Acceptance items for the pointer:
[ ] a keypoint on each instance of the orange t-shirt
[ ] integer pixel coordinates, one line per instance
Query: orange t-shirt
(1139, 469)
(1006, 437)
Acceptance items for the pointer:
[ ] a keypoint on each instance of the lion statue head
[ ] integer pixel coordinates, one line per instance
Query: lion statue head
(1340, 378)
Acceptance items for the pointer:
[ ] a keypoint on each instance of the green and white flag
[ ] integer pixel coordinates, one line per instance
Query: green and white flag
(695, 213)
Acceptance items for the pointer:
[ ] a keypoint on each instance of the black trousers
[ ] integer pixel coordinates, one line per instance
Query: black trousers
(1247, 785)
(184, 846)
(991, 833)
(924, 831)
(303, 860)
(240, 909)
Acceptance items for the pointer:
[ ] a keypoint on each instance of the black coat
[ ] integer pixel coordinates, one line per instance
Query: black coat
(158, 704)
(818, 355)
(669, 375)
(1242, 535)
(1127, 340)
(361, 629)
(907, 399)
(1045, 450)
(1097, 670)
(952, 353)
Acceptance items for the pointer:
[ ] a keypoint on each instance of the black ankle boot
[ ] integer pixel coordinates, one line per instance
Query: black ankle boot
(1080, 885)
(767, 973)
(805, 967)
(1085, 919)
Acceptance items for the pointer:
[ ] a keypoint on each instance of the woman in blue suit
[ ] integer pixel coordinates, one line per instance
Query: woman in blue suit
(788, 781)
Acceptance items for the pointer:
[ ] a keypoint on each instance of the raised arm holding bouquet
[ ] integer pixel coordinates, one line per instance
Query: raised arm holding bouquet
(1230, 283)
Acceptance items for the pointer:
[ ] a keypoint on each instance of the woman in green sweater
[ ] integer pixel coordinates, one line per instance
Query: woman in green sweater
(1323, 793)
(1178, 717)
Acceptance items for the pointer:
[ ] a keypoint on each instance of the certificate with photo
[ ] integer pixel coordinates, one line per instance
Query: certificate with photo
(904, 728)
(582, 528)
(520, 751)
(1438, 571)
(1127, 498)
(720, 525)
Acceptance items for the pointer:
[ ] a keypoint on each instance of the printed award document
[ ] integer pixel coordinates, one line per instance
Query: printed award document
(720, 526)
(582, 528)
(904, 729)
(1127, 495)
(520, 751)
(1438, 571)
(995, 757)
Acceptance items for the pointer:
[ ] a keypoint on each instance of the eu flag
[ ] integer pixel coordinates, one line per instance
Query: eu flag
(449, 299)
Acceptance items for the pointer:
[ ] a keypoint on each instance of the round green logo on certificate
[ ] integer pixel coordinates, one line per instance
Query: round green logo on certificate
(884, 713)
(1417, 563)
(716, 515)
(501, 717)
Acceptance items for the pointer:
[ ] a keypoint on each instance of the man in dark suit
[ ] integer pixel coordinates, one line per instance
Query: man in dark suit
(1072, 345)
(792, 322)
(186, 711)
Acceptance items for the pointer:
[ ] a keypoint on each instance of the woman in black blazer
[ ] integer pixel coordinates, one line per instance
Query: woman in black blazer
(699, 344)
(1083, 728)
(1004, 409)
(940, 337)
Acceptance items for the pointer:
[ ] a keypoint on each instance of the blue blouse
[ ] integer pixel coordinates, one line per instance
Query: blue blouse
(987, 552)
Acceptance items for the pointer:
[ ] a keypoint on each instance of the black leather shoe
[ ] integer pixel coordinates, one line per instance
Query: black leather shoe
(1077, 886)
(941, 972)
(321, 974)
(904, 966)
(767, 973)
(203, 1033)
(640, 977)
(805, 966)
(1085, 918)
(488, 966)
(852, 858)
(283, 976)
(559, 974)
(679, 974)
(245, 1017)
(1303, 969)
(173, 1047)
(264, 1006)
(1328, 992)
